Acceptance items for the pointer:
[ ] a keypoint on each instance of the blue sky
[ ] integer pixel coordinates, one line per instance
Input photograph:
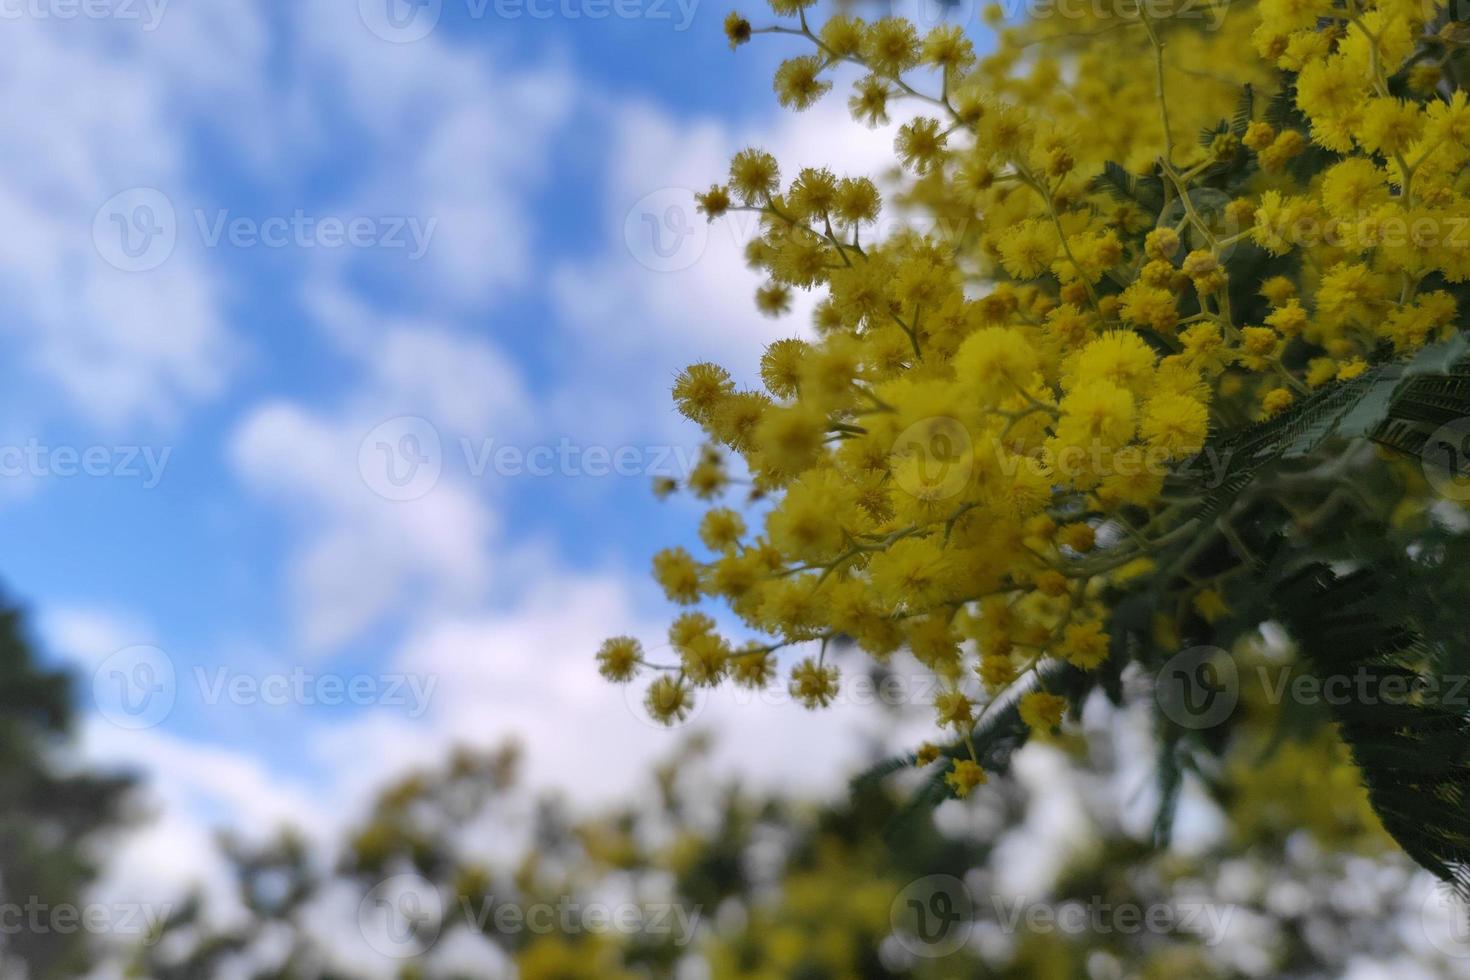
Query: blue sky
(182, 288)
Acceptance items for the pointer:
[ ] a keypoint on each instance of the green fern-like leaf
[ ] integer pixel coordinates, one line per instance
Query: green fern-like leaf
(1245, 110)
(1124, 186)
(1369, 626)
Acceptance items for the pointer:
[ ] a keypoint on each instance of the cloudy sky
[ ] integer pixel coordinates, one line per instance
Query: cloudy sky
(338, 338)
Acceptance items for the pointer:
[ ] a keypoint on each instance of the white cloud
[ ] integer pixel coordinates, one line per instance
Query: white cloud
(186, 789)
(627, 319)
(87, 635)
(456, 137)
(509, 635)
(445, 150)
(459, 380)
(364, 554)
(363, 557)
(91, 122)
(517, 661)
(528, 673)
(114, 104)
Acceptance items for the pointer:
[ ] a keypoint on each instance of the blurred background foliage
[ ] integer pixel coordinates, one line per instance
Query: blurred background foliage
(1277, 867)
(55, 821)
(1273, 839)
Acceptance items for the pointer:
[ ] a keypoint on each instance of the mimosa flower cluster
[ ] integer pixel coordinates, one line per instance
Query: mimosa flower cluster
(967, 454)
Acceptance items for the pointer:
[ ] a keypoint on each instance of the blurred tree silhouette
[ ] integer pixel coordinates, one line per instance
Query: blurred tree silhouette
(1302, 883)
(53, 816)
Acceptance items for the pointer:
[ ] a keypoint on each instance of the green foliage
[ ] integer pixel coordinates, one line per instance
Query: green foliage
(53, 818)
(1395, 628)
(1126, 187)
